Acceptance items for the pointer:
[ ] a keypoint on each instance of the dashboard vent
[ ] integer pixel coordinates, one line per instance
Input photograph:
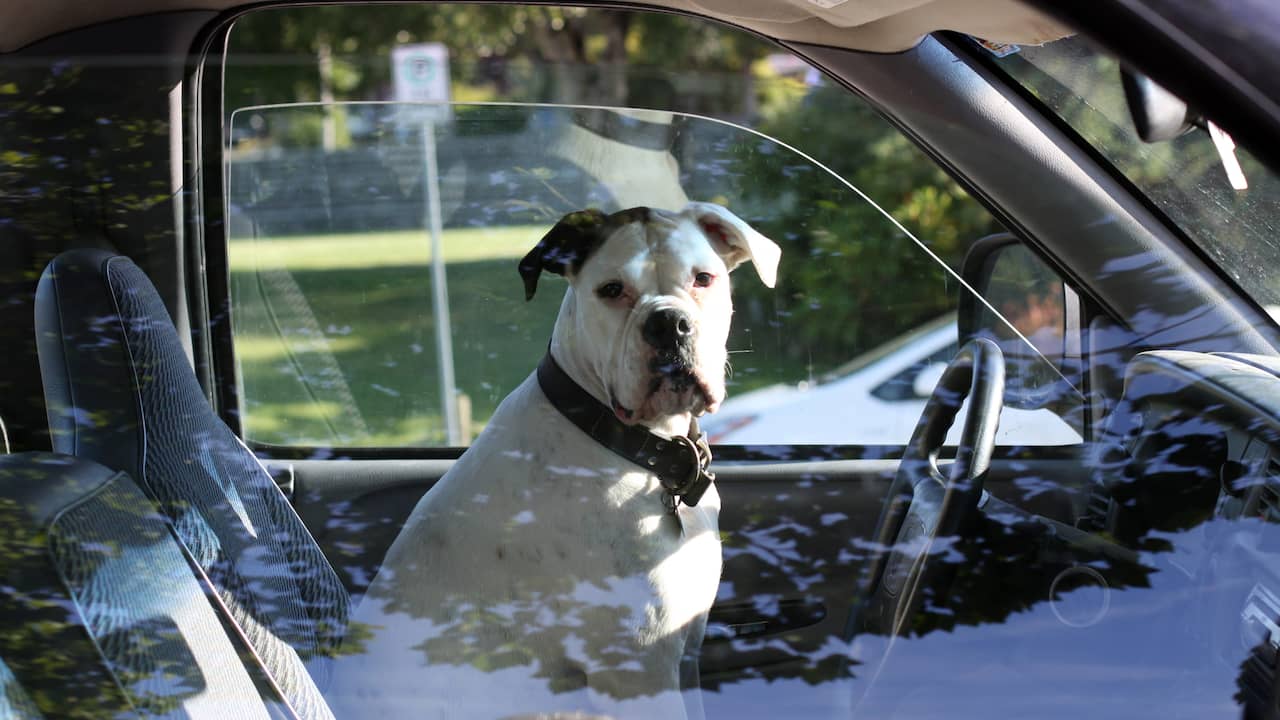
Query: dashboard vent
(1268, 506)
(1269, 503)
(1098, 505)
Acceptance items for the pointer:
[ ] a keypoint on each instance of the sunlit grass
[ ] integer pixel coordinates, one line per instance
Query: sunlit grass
(358, 326)
(260, 348)
(335, 334)
(300, 423)
(364, 251)
(291, 417)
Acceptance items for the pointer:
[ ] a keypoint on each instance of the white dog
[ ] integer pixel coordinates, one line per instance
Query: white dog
(567, 561)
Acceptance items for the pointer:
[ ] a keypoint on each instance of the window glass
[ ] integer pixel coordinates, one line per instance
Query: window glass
(348, 334)
(541, 575)
(1184, 176)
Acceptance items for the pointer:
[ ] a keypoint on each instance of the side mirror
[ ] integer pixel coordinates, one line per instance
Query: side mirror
(927, 379)
(1025, 307)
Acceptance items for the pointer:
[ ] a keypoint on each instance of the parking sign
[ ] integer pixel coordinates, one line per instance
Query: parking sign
(421, 75)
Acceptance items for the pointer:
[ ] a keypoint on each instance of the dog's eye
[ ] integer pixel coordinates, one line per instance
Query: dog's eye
(703, 279)
(610, 290)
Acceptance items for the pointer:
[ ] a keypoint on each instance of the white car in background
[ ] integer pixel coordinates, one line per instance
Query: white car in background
(874, 399)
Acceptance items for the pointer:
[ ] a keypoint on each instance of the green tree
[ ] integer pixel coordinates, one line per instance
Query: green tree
(850, 278)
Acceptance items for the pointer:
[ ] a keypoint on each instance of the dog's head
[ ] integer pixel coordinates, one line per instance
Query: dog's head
(647, 313)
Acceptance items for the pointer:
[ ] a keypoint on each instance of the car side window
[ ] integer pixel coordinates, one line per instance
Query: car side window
(385, 176)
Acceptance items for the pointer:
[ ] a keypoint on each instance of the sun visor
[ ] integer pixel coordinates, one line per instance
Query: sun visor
(887, 25)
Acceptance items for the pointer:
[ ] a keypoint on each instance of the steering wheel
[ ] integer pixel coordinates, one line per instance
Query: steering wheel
(923, 504)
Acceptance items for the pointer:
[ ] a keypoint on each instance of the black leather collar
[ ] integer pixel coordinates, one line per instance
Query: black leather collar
(680, 462)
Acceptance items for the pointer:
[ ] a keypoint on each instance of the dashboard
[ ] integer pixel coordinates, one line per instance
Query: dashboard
(1189, 478)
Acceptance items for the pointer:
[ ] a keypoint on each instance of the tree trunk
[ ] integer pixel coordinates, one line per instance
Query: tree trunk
(328, 124)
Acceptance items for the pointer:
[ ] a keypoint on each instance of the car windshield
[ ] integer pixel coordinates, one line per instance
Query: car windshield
(1185, 177)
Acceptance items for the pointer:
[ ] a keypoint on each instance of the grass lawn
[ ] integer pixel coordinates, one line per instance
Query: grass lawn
(335, 334)
(367, 251)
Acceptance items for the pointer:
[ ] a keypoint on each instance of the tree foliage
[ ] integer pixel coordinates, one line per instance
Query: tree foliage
(851, 277)
(517, 53)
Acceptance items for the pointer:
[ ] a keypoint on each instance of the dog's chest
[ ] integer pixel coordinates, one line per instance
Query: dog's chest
(584, 515)
(677, 556)
(686, 577)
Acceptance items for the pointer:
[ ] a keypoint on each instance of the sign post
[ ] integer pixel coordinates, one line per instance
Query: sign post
(421, 74)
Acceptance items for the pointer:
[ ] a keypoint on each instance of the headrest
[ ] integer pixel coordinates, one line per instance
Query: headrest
(91, 379)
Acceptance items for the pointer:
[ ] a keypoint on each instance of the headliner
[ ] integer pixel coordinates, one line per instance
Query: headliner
(871, 25)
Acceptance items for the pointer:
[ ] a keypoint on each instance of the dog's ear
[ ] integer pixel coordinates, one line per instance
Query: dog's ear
(563, 249)
(736, 241)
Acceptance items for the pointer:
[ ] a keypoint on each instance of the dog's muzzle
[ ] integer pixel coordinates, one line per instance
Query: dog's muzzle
(668, 330)
(670, 333)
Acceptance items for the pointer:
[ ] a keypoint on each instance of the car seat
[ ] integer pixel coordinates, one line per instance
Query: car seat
(102, 613)
(120, 391)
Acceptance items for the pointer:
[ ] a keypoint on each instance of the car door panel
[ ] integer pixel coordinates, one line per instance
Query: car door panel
(354, 508)
(795, 539)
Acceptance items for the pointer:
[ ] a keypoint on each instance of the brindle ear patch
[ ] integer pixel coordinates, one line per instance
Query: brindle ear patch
(564, 248)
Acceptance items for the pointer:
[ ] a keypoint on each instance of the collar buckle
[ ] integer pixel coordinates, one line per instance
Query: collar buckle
(695, 484)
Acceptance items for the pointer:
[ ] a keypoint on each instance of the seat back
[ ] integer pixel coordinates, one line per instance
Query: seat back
(15, 703)
(121, 391)
(102, 613)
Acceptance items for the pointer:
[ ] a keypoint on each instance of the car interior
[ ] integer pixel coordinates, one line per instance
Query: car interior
(176, 543)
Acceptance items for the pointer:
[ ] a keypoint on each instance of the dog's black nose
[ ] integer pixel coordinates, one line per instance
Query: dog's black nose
(667, 329)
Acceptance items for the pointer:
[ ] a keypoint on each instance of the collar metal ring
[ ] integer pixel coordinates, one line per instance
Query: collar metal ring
(694, 468)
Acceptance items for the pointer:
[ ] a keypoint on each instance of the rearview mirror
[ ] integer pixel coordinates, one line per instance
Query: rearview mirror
(1024, 306)
(1158, 115)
